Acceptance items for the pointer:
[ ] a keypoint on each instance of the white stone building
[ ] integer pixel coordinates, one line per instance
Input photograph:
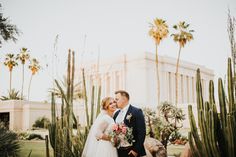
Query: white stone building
(137, 74)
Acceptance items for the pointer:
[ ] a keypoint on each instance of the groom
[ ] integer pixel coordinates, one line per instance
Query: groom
(132, 117)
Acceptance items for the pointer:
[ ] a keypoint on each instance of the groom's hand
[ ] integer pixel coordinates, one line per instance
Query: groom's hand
(133, 153)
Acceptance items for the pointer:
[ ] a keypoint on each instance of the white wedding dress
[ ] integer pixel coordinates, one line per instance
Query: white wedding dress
(100, 148)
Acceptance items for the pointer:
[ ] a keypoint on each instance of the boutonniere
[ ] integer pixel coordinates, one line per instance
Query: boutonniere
(128, 117)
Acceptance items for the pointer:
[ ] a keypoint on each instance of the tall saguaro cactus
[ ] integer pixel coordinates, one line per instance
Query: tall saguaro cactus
(217, 130)
(64, 141)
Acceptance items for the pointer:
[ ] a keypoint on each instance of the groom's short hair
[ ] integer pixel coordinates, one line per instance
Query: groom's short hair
(123, 93)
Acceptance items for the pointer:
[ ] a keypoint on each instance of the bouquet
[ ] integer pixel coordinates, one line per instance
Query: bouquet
(121, 135)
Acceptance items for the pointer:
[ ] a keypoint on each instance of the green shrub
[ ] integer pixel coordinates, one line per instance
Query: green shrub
(168, 122)
(41, 122)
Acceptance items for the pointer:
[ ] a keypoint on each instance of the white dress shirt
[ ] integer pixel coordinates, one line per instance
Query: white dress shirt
(121, 116)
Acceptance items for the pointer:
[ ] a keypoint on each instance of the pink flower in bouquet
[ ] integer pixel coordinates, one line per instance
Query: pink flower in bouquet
(115, 127)
(124, 130)
(121, 135)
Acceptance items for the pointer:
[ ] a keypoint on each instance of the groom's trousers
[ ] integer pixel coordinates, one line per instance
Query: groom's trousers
(124, 152)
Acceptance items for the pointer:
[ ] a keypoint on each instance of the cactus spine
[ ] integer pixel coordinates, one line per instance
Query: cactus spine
(217, 131)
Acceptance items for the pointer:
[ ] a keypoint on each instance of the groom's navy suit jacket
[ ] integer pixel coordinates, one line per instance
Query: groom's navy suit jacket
(136, 121)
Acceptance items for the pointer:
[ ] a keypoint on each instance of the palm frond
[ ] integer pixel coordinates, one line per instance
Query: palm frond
(9, 144)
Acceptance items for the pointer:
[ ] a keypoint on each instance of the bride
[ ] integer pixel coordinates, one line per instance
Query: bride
(98, 143)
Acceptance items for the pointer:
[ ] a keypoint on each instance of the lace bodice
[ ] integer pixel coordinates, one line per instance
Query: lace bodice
(104, 125)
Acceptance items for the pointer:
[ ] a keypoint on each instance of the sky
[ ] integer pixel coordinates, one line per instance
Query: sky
(112, 28)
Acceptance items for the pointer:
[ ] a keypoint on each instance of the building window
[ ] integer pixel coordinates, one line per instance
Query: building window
(91, 81)
(170, 88)
(117, 81)
(182, 88)
(99, 80)
(108, 84)
(187, 88)
(193, 89)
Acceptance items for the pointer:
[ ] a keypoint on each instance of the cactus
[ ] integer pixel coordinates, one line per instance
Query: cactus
(62, 139)
(98, 101)
(47, 148)
(217, 131)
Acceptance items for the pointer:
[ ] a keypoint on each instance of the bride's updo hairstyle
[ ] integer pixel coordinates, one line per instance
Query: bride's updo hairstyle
(105, 103)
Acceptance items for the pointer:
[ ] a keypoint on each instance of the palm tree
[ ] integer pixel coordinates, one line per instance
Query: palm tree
(182, 36)
(158, 31)
(23, 56)
(34, 67)
(10, 62)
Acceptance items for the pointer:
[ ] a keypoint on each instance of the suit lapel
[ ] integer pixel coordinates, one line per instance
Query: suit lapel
(116, 114)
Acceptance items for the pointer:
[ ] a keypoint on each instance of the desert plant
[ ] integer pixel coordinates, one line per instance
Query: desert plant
(23, 56)
(10, 62)
(41, 122)
(164, 126)
(177, 138)
(217, 130)
(78, 93)
(183, 36)
(12, 95)
(153, 123)
(63, 141)
(9, 144)
(158, 31)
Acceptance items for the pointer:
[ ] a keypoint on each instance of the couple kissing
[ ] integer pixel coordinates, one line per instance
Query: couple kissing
(118, 131)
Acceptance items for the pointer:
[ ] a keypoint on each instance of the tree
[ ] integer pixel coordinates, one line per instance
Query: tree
(164, 126)
(7, 31)
(23, 56)
(158, 31)
(10, 62)
(182, 36)
(34, 67)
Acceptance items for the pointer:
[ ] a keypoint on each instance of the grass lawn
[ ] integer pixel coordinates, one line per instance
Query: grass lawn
(39, 150)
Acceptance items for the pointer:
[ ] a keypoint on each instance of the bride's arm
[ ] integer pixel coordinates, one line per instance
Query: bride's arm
(100, 135)
(105, 137)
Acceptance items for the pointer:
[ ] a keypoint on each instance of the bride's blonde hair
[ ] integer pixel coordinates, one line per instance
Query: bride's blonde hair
(105, 102)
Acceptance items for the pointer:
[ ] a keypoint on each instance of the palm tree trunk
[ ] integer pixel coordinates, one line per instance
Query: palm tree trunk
(23, 79)
(29, 86)
(10, 79)
(158, 78)
(176, 77)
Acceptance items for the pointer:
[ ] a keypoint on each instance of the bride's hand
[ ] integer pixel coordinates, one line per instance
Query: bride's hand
(105, 137)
